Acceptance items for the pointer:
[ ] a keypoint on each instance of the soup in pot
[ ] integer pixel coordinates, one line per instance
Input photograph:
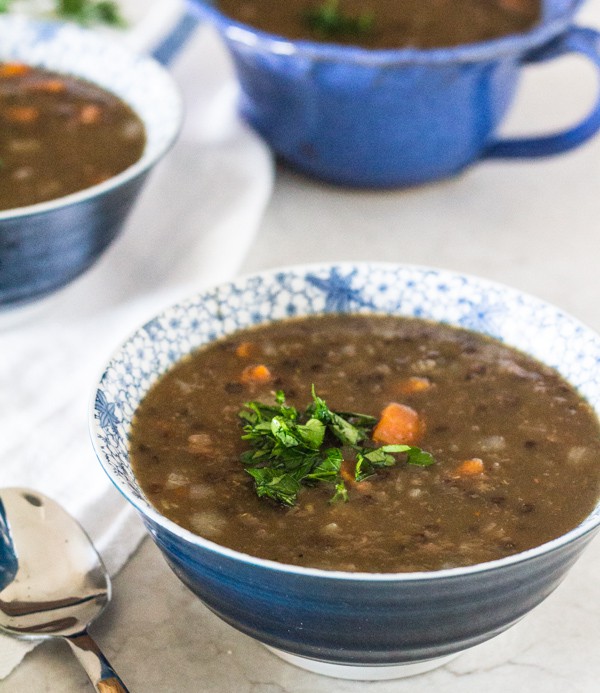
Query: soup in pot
(388, 23)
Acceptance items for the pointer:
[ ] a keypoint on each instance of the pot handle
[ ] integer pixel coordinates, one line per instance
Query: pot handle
(576, 40)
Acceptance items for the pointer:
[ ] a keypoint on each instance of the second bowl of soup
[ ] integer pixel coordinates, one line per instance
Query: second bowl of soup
(368, 468)
(83, 122)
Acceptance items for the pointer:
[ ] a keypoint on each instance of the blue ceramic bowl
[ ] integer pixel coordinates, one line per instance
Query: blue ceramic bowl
(46, 245)
(357, 625)
(382, 118)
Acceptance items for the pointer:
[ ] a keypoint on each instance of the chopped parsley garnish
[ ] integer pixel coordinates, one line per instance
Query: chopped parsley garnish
(327, 20)
(86, 12)
(90, 11)
(290, 449)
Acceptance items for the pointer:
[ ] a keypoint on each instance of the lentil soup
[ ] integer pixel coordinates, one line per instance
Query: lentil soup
(388, 23)
(60, 134)
(515, 449)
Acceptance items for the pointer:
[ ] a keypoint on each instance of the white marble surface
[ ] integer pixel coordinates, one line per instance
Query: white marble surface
(535, 225)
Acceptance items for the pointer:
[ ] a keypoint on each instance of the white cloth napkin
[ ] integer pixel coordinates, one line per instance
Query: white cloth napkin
(192, 226)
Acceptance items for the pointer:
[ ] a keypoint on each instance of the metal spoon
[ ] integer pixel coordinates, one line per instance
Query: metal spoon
(53, 582)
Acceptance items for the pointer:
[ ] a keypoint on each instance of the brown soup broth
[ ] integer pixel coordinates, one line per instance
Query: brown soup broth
(537, 438)
(60, 134)
(391, 23)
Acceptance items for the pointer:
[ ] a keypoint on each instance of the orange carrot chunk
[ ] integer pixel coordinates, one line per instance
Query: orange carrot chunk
(348, 476)
(413, 384)
(256, 374)
(13, 69)
(398, 425)
(471, 467)
(22, 114)
(90, 114)
(49, 86)
(244, 349)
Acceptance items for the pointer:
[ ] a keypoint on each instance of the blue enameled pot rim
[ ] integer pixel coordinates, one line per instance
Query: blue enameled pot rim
(589, 525)
(514, 45)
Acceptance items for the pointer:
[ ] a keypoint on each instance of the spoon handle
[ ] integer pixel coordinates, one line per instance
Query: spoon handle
(97, 667)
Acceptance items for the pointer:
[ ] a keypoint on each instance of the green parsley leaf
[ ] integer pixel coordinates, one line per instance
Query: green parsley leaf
(329, 468)
(274, 484)
(109, 13)
(341, 493)
(328, 20)
(368, 462)
(345, 431)
(422, 458)
(85, 12)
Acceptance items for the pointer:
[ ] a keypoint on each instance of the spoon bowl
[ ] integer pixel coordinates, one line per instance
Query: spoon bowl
(52, 580)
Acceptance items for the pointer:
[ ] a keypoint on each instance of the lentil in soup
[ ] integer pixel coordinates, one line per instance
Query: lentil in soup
(515, 448)
(60, 134)
(388, 23)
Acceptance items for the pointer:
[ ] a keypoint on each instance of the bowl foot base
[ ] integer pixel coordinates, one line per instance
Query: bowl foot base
(352, 672)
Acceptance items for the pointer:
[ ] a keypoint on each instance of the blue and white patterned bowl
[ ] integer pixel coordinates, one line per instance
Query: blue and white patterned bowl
(349, 624)
(46, 245)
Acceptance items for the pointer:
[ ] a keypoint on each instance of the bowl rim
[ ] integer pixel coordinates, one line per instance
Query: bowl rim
(146, 160)
(588, 526)
(502, 47)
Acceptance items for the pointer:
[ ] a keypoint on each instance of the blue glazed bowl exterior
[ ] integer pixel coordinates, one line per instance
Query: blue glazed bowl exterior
(366, 621)
(378, 118)
(338, 617)
(45, 246)
(44, 251)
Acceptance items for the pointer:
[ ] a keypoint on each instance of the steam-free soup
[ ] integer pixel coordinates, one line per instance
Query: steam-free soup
(503, 455)
(388, 23)
(60, 134)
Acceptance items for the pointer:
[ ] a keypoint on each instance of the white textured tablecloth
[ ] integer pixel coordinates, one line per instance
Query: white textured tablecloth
(192, 227)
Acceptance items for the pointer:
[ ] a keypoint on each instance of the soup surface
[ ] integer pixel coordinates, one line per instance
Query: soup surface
(388, 23)
(60, 134)
(516, 450)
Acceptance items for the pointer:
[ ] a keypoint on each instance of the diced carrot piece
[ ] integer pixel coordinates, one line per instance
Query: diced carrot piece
(348, 475)
(50, 86)
(398, 425)
(413, 384)
(90, 114)
(516, 6)
(14, 69)
(471, 467)
(256, 374)
(22, 114)
(244, 350)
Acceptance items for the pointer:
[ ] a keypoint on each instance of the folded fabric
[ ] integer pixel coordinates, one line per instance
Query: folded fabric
(191, 227)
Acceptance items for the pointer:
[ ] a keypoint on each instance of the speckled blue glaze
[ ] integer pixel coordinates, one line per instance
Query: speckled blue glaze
(386, 118)
(348, 618)
(45, 246)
